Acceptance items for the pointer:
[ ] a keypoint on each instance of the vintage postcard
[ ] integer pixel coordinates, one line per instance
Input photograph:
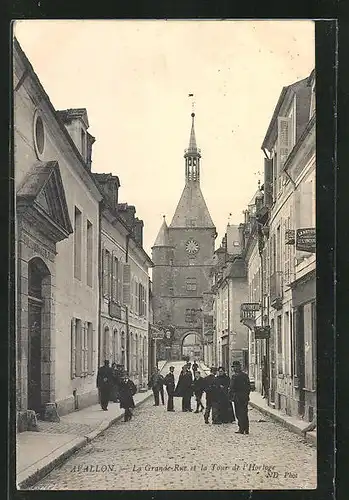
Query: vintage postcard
(165, 254)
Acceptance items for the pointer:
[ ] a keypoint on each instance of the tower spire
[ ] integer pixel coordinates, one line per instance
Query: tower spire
(192, 141)
(192, 156)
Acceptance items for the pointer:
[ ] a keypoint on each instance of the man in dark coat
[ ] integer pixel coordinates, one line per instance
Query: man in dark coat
(208, 388)
(185, 388)
(240, 394)
(169, 382)
(127, 390)
(224, 407)
(156, 383)
(104, 384)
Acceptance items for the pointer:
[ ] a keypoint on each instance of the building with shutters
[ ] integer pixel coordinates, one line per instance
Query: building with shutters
(284, 229)
(182, 255)
(124, 294)
(230, 290)
(57, 238)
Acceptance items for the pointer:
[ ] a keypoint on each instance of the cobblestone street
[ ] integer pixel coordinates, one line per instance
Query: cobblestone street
(163, 450)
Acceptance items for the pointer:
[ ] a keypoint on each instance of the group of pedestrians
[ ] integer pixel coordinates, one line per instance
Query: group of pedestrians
(226, 398)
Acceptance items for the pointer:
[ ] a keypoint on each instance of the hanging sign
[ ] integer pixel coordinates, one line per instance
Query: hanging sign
(261, 332)
(248, 310)
(306, 239)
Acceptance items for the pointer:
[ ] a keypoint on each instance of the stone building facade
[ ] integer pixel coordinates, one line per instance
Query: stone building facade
(182, 255)
(124, 293)
(57, 234)
(281, 229)
(230, 289)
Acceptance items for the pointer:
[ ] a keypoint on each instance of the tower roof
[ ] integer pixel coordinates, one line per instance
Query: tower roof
(192, 140)
(192, 210)
(162, 239)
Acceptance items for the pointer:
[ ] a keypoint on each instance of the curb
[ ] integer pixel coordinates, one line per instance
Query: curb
(309, 437)
(34, 477)
(40, 473)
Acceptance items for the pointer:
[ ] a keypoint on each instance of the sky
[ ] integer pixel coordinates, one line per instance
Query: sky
(134, 77)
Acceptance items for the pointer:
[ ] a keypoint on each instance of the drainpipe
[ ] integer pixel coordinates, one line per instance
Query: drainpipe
(100, 280)
(228, 360)
(128, 355)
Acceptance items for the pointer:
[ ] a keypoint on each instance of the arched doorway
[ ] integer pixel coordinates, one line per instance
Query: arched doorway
(39, 333)
(192, 346)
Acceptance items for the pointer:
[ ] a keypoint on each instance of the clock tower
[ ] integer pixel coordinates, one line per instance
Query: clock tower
(182, 256)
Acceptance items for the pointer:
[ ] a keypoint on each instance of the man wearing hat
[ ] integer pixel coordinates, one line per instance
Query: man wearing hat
(240, 394)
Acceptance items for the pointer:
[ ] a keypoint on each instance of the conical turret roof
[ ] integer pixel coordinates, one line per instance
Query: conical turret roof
(162, 239)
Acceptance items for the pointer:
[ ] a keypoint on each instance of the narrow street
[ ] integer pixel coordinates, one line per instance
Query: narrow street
(162, 450)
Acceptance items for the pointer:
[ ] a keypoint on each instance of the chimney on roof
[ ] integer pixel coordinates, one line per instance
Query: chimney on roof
(76, 122)
(127, 212)
(138, 231)
(110, 186)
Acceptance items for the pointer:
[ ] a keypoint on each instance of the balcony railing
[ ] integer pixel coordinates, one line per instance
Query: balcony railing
(276, 290)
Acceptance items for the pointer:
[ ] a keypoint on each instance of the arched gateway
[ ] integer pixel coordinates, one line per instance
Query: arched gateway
(192, 346)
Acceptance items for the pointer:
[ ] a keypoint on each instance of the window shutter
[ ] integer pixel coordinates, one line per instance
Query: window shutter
(284, 143)
(268, 182)
(120, 282)
(93, 362)
(78, 346)
(104, 272)
(85, 349)
(138, 298)
(73, 348)
(285, 252)
(114, 277)
(126, 284)
(89, 349)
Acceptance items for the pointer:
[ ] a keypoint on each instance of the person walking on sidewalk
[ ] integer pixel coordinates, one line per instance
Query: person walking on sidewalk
(208, 388)
(156, 383)
(104, 384)
(195, 368)
(169, 382)
(240, 389)
(127, 390)
(184, 388)
(198, 387)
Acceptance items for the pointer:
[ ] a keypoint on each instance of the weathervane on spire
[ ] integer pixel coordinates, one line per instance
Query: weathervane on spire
(229, 218)
(192, 102)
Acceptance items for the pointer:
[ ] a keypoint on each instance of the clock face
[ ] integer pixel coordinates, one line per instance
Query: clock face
(192, 247)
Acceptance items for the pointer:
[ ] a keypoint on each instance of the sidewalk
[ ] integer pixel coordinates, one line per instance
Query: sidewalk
(37, 453)
(293, 424)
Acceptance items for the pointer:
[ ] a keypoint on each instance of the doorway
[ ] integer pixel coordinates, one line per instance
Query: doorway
(38, 279)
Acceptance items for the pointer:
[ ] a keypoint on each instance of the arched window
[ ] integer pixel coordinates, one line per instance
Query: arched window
(136, 354)
(106, 345)
(115, 346)
(123, 347)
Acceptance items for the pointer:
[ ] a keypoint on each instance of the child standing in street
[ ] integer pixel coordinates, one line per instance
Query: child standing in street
(198, 386)
(127, 390)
